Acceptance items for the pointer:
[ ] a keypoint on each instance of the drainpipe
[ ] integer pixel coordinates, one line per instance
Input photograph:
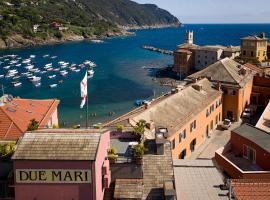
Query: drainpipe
(230, 189)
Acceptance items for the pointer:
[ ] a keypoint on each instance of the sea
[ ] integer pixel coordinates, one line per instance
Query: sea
(124, 70)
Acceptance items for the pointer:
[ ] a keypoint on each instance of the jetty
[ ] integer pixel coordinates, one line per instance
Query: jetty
(163, 51)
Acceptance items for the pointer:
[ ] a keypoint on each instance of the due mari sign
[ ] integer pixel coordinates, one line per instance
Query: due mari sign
(52, 176)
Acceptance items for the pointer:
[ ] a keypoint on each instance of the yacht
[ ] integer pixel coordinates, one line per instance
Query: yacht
(52, 76)
(1, 76)
(16, 84)
(53, 86)
(37, 84)
(28, 67)
(63, 73)
(6, 67)
(46, 56)
(53, 57)
(32, 56)
(48, 65)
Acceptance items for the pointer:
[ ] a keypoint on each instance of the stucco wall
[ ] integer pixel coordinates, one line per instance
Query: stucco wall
(199, 133)
(53, 191)
(238, 141)
(103, 147)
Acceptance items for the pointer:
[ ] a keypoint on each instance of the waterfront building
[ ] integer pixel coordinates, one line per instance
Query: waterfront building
(207, 55)
(188, 116)
(16, 114)
(236, 83)
(62, 164)
(268, 50)
(247, 155)
(260, 91)
(189, 57)
(254, 48)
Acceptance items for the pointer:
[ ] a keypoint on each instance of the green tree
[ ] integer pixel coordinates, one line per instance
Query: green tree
(139, 151)
(139, 129)
(33, 125)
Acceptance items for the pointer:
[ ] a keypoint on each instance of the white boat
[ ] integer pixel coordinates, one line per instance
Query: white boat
(16, 77)
(18, 65)
(63, 66)
(52, 76)
(16, 84)
(53, 57)
(43, 72)
(9, 75)
(34, 78)
(28, 67)
(32, 56)
(34, 70)
(56, 69)
(37, 84)
(77, 70)
(49, 69)
(6, 67)
(82, 66)
(46, 56)
(90, 72)
(97, 41)
(53, 86)
(26, 61)
(48, 65)
(64, 73)
(72, 68)
(1, 76)
(61, 62)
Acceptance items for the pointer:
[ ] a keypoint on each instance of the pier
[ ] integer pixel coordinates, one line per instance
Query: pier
(163, 51)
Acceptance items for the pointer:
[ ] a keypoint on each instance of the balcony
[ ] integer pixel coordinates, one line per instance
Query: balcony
(238, 167)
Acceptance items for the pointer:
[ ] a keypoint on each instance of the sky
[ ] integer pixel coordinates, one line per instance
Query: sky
(216, 11)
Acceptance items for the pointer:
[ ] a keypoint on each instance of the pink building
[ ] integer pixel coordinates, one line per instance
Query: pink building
(62, 164)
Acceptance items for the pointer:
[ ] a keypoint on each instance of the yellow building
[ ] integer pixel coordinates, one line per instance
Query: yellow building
(254, 48)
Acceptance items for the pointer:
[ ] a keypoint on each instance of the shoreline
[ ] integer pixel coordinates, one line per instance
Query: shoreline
(20, 42)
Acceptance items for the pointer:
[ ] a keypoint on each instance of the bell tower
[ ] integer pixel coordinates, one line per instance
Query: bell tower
(189, 37)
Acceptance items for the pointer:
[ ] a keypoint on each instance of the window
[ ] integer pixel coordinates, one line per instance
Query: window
(212, 108)
(205, 63)
(251, 53)
(259, 53)
(234, 92)
(173, 144)
(249, 153)
(192, 126)
(264, 53)
(244, 53)
(205, 57)
(219, 117)
(212, 125)
(182, 135)
(213, 58)
(192, 145)
(216, 120)
(207, 131)
(183, 154)
(199, 61)
(207, 113)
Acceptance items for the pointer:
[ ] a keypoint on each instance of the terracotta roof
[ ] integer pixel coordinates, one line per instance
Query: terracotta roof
(15, 116)
(58, 145)
(128, 189)
(225, 71)
(250, 189)
(253, 68)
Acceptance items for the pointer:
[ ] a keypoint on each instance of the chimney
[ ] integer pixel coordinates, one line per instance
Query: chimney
(243, 71)
(160, 140)
(197, 87)
(150, 125)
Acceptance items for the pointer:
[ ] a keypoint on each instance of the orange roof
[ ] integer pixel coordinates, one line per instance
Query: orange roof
(250, 189)
(16, 115)
(253, 68)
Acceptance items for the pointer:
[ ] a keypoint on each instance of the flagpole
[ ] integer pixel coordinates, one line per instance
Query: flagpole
(87, 108)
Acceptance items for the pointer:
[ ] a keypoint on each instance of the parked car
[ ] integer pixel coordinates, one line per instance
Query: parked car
(226, 124)
(247, 113)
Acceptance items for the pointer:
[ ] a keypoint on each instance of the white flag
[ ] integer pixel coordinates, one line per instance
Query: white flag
(83, 90)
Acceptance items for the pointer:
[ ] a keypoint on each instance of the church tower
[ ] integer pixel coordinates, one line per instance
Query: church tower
(189, 37)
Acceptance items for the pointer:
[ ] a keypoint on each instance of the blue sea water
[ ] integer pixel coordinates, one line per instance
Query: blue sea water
(120, 78)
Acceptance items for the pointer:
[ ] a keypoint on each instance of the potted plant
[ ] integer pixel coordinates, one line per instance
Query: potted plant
(112, 155)
(139, 152)
(119, 128)
(139, 129)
